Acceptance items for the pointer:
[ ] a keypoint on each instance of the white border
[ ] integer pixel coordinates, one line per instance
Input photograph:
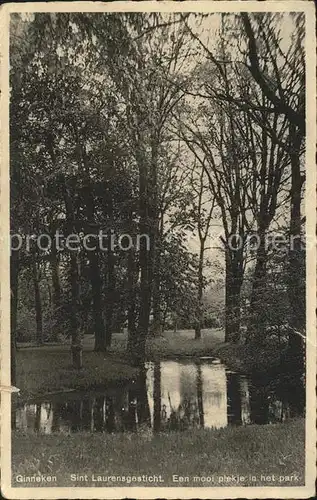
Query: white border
(162, 492)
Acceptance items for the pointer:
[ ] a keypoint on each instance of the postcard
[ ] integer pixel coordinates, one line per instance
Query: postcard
(158, 262)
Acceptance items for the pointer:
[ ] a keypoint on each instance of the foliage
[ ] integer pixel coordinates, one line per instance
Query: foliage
(133, 123)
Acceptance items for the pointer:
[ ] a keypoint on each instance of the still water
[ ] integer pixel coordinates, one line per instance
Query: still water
(168, 395)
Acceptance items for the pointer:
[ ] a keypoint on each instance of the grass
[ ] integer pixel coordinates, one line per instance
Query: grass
(183, 343)
(252, 450)
(172, 344)
(48, 369)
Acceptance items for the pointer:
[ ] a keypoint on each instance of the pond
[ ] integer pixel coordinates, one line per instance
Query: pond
(168, 395)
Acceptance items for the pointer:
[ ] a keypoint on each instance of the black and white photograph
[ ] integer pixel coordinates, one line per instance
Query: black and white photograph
(158, 216)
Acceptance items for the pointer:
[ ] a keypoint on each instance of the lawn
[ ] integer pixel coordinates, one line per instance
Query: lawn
(171, 344)
(270, 451)
(48, 369)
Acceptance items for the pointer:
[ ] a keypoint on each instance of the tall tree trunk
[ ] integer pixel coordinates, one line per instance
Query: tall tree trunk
(56, 282)
(74, 276)
(175, 319)
(75, 323)
(258, 303)
(144, 308)
(132, 282)
(296, 280)
(200, 291)
(56, 285)
(14, 284)
(94, 261)
(232, 300)
(164, 317)
(148, 225)
(37, 301)
(157, 326)
(154, 253)
(96, 288)
(110, 291)
(145, 264)
(157, 313)
(76, 346)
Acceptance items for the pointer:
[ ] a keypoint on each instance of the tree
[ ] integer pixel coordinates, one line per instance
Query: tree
(179, 281)
(284, 87)
(194, 212)
(218, 157)
(277, 77)
(204, 216)
(134, 123)
(37, 300)
(149, 100)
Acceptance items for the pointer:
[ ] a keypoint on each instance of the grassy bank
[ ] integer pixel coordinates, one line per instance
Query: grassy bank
(48, 369)
(170, 344)
(252, 450)
(182, 344)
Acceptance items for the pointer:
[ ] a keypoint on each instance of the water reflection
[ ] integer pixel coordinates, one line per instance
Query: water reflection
(168, 395)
